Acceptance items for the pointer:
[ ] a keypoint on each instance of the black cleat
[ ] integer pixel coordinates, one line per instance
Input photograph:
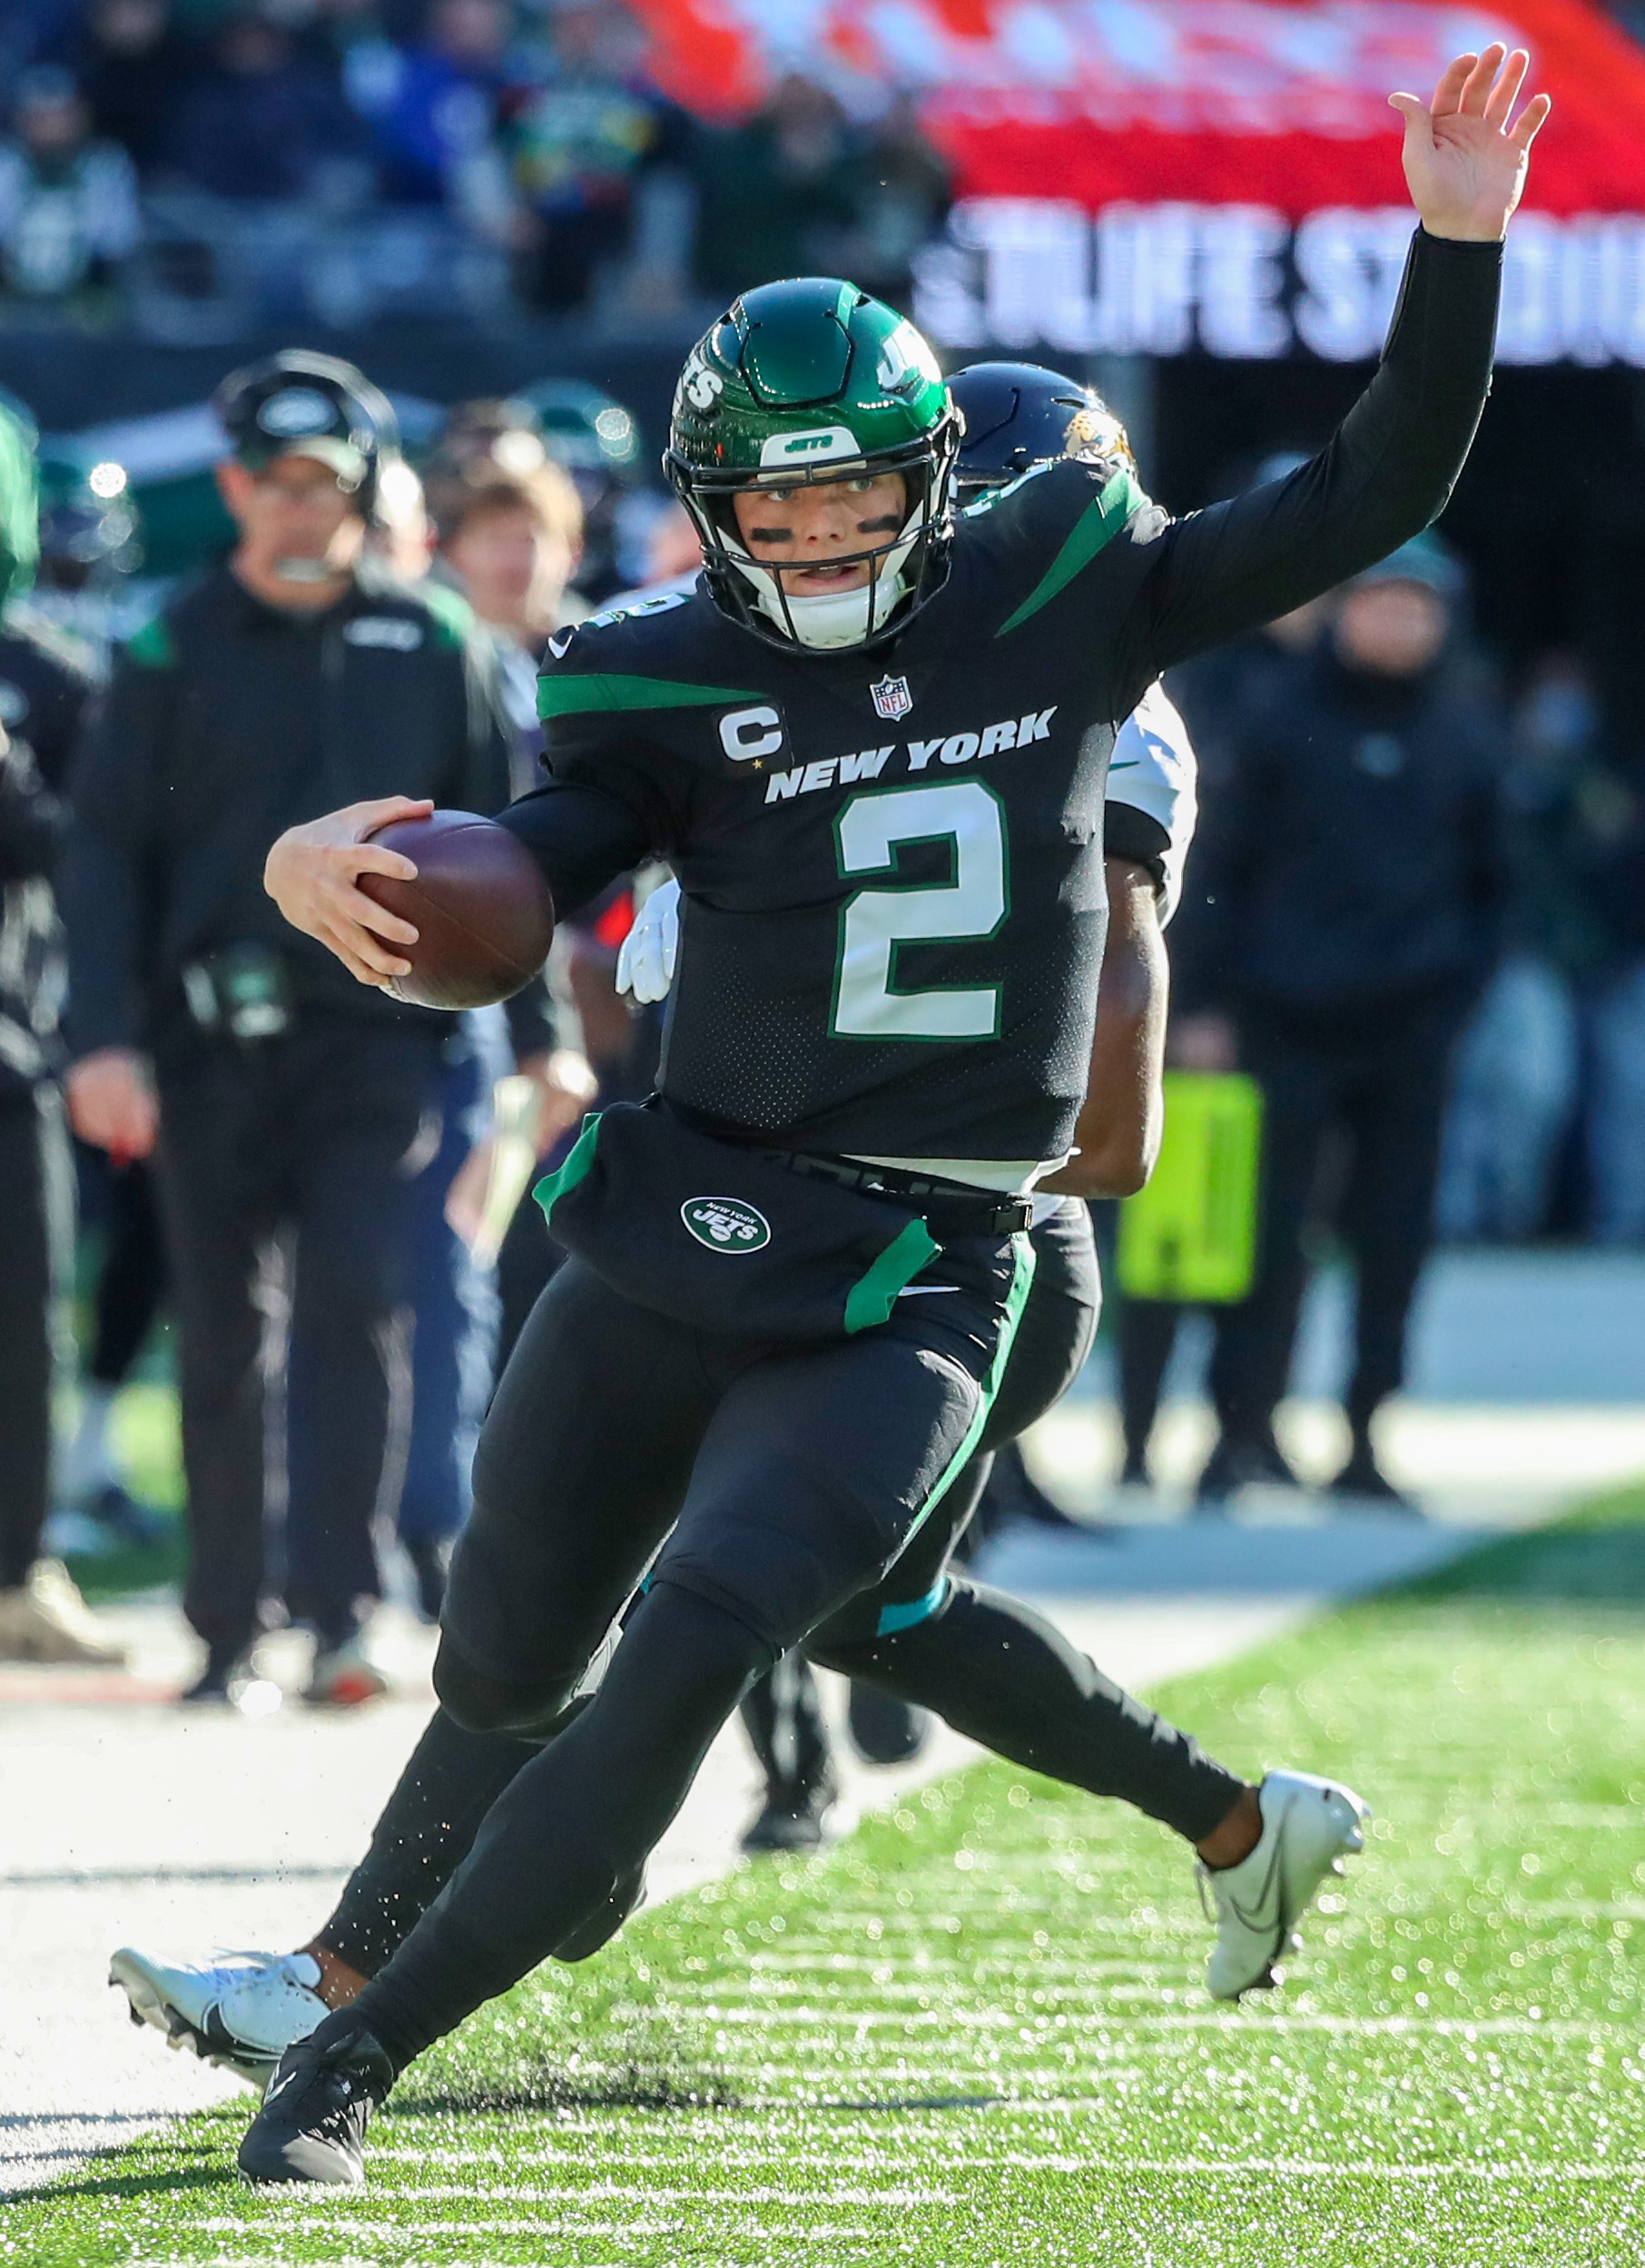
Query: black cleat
(226, 1670)
(885, 1730)
(312, 2124)
(1238, 1464)
(1363, 1482)
(793, 1819)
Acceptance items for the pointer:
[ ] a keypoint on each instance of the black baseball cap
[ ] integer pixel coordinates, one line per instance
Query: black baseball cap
(301, 404)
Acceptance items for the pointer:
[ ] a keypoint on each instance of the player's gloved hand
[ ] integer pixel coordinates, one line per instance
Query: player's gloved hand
(310, 874)
(645, 968)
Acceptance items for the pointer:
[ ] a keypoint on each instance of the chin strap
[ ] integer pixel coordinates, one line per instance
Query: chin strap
(835, 619)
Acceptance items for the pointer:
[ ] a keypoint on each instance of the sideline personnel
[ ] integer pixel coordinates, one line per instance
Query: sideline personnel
(282, 1095)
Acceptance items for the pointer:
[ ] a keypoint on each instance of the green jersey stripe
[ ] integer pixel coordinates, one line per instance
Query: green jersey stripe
(1096, 526)
(578, 696)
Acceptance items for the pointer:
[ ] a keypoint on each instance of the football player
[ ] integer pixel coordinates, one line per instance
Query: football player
(248, 2007)
(873, 747)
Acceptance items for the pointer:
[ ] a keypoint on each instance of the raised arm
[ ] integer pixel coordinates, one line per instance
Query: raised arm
(1389, 469)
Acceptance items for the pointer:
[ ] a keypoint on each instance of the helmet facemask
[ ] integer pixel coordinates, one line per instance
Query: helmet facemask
(902, 570)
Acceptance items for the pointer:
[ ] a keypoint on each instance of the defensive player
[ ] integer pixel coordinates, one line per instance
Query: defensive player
(886, 999)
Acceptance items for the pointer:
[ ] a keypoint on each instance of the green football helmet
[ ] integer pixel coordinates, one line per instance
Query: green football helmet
(800, 384)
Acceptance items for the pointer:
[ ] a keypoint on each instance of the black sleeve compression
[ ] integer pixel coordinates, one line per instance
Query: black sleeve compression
(1136, 835)
(1386, 473)
(581, 836)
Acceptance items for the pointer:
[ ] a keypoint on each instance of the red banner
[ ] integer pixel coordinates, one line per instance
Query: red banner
(1279, 103)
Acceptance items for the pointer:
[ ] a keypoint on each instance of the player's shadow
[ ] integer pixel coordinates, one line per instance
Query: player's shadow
(629, 2086)
(173, 2181)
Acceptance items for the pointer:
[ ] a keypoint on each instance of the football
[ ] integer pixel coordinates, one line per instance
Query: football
(484, 917)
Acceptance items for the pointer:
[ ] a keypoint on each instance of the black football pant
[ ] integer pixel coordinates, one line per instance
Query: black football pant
(307, 1135)
(989, 1664)
(1377, 1077)
(783, 1715)
(36, 1228)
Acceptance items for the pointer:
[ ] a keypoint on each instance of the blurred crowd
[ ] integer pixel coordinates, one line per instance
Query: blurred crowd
(530, 129)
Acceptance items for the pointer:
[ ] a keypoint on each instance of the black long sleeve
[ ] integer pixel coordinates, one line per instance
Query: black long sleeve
(1386, 473)
(582, 838)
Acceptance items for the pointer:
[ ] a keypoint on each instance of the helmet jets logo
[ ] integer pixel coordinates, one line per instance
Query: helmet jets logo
(298, 411)
(820, 445)
(906, 362)
(725, 1224)
(702, 386)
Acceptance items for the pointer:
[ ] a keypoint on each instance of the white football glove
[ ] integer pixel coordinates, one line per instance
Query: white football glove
(1154, 770)
(645, 968)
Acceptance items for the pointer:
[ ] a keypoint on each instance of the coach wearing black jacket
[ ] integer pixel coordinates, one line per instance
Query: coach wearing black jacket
(1341, 913)
(278, 1092)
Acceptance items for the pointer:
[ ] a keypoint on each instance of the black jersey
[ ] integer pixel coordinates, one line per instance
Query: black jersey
(890, 861)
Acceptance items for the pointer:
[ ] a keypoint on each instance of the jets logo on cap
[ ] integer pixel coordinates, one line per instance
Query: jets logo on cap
(725, 1224)
(296, 412)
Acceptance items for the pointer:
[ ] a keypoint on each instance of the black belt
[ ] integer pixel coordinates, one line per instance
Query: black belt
(948, 1209)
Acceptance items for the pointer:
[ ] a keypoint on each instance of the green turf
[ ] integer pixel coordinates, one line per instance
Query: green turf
(975, 2035)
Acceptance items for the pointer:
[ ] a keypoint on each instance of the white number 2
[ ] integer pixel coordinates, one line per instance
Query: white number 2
(870, 830)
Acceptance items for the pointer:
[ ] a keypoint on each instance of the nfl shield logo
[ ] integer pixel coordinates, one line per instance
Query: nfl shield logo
(893, 698)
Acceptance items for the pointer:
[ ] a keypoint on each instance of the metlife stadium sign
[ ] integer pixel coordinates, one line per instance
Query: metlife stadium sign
(1162, 176)
(1239, 281)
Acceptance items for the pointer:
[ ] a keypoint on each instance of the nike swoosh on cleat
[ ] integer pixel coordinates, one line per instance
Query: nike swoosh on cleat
(916, 1291)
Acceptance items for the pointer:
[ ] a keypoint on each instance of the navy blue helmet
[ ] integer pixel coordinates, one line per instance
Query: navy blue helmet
(1018, 414)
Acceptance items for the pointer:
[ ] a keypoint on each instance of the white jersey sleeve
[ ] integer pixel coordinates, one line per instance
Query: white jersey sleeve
(1154, 771)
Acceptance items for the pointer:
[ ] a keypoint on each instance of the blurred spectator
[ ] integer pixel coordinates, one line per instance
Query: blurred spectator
(1342, 908)
(280, 1098)
(431, 106)
(133, 65)
(903, 195)
(510, 541)
(42, 691)
(779, 193)
(453, 1308)
(68, 202)
(511, 544)
(598, 443)
(1559, 1041)
(261, 121)
(579, 147)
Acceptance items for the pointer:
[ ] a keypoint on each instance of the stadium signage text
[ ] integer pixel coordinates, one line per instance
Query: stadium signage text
(1238, 281)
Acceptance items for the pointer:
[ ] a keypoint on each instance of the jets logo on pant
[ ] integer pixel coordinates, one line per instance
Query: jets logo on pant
(725, 1224)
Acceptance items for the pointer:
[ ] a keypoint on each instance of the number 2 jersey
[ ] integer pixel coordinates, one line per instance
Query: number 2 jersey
(890, 860)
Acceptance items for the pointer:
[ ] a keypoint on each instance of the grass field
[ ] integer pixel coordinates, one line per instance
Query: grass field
(976, 2032)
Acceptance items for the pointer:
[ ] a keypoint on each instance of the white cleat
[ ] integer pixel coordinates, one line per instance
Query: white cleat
(45, 1619)
(1308, 1826)
(241, 2013)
